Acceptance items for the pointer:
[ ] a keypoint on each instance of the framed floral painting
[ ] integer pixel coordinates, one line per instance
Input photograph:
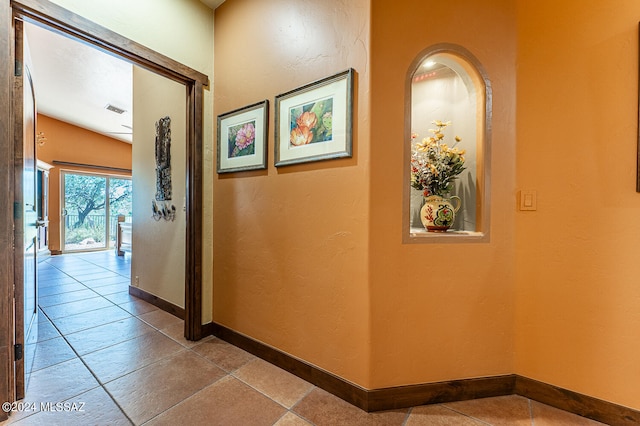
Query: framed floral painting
(242, 138)
(314, 122)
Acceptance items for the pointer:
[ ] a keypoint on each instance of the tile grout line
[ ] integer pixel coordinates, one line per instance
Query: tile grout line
(406, 417)
(313, 387)
(183, 400)
(466, 415)
(90, 371)
(232, 374)
(533, 421)
(83, 361)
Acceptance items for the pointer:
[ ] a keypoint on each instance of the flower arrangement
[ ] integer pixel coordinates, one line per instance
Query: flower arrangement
(434, 165)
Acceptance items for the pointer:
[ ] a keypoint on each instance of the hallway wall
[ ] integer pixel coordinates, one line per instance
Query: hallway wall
(290, 243)
(578, 316)
(159, 245)
(66, 142)
(440, 311)
(553, 296)
(309, 258)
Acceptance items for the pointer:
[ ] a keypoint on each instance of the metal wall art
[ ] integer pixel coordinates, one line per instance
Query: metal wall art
(163, 209)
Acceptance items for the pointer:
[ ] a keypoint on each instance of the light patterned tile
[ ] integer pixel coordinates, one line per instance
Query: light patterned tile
(94, 318)
(105, 335)
(281, 386)
(227, 402)
(77, 307)
(438, 415)
(117, 360)
(160, 319)
(323, 408)
(147, 392)
(51, 352)
(545, 415)
(290, 419)
(224, 354)
(176, 332)
(510, 410)
(138, 307)
(94, 407)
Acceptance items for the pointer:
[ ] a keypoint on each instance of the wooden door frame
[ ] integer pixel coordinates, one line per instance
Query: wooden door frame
(6, 206)
(56, 18)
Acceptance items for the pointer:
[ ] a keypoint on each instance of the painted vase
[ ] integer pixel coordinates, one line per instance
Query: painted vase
(438, 213)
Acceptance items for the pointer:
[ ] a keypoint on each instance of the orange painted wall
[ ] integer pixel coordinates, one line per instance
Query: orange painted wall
(439, 311)
(578, 286)
(66, 142)
(310, 258)
(290, 244)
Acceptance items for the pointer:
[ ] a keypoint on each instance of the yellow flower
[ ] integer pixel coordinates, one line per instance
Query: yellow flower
(458, 138)
(439, 136)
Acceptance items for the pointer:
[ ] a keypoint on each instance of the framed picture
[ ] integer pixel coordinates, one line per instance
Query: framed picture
(314, 122)
(242, 138)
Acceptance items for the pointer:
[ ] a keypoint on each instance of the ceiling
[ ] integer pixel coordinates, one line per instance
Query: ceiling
(212, 3)
(75, 82)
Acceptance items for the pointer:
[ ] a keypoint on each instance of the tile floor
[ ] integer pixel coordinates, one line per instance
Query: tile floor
(112, 359)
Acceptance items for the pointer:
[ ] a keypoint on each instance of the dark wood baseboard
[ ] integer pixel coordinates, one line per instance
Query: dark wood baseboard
(169, 307)
(573, 402)
(431, 393)
(340, 387)
(440, 392)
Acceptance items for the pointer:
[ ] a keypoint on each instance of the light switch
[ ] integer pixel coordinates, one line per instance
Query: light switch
(528, 201)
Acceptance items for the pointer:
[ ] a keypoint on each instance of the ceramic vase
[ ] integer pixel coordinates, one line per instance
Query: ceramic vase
(438, 213)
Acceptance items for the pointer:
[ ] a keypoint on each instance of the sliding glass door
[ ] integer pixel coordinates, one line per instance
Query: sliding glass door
(90, 208)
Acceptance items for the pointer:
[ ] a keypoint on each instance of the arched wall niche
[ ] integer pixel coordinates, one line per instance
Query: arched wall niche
(446, 82)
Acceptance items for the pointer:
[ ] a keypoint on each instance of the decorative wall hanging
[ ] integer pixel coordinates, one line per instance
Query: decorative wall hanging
(242, 138)
(314, 121)
(164, 210)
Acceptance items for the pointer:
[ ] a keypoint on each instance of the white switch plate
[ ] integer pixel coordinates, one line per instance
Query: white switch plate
(528, 201)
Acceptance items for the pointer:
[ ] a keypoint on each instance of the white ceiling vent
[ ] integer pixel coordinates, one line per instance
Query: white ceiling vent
(115, 109)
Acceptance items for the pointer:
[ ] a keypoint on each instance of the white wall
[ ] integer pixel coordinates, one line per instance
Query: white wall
(158, 261)
(183, 31)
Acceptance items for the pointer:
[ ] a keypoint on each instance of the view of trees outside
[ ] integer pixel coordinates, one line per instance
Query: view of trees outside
(85, 204)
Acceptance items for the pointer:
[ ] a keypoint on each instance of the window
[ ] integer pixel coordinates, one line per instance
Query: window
(446, 83)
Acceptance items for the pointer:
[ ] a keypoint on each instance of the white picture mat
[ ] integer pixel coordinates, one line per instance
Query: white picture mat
(337, 90)
(256, 115)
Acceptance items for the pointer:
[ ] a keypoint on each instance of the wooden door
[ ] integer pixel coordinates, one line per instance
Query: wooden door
(25, 215)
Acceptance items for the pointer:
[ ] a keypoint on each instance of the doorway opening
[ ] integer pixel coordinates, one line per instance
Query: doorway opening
(91, 206)
(57, 19)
